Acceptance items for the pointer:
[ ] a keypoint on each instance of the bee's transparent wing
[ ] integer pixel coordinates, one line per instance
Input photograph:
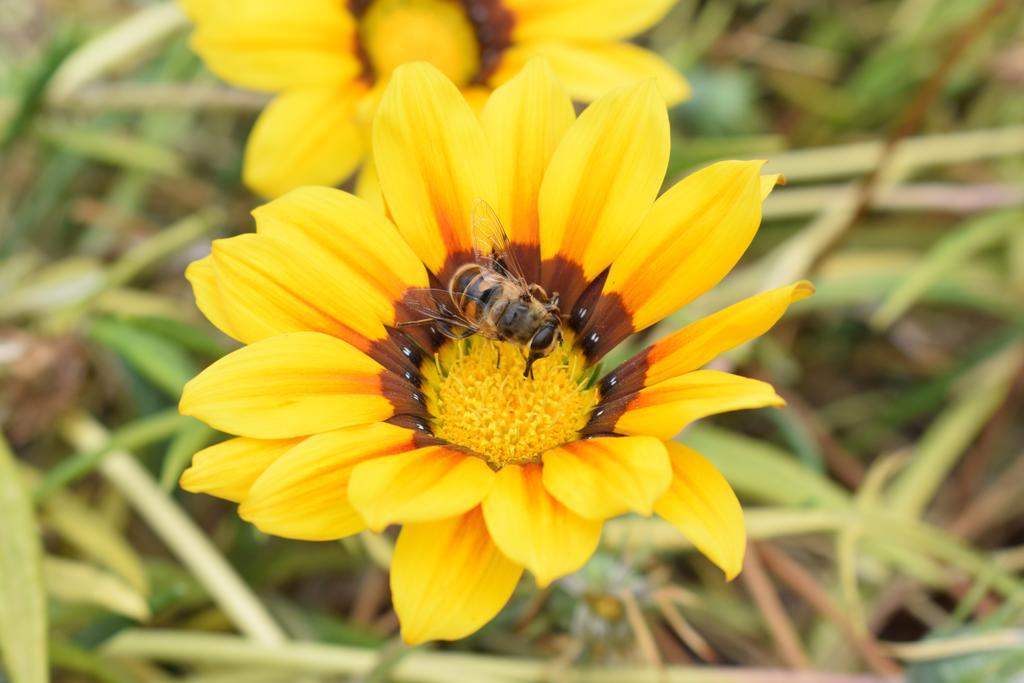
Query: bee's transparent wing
(491, 245)
(427, 306)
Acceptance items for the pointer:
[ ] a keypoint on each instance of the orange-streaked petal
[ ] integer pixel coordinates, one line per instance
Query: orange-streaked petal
(271, 285)
(693, 236)
(607, 476)
(702, 341)
(533, 529)
(203, 278)
(369, 258)
(305, 137)
(702, 505)
(276, 46)
(589, 70)
(304, 494)
(448, 578)
(665, 408)
(287, 386)
(601, 182)
(432, 162)
(228, 469)
(424, 485)
(524, 121)
(585, 20)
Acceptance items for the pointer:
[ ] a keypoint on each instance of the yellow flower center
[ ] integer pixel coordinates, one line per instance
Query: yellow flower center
(394, 32)
(478, 398)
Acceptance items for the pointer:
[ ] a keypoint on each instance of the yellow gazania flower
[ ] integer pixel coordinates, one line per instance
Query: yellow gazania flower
(329, 60)
(346, 422)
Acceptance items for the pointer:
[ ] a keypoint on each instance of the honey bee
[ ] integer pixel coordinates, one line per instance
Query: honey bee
(491, 297)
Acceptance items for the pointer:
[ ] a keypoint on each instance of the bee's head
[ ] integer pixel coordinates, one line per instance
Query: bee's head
(545, 340)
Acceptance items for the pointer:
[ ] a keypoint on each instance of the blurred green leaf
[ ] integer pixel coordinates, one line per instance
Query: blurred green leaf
(78, 582)
(60, 284)
(191, 437)
(92, 535)
(23, 629)
(34, 86)
(161, 361)
(721, 103)
(192, 337)
(140, 432)
(940, 447)
(112, 148)
(762, 471)
(948, 254)
(67, 656)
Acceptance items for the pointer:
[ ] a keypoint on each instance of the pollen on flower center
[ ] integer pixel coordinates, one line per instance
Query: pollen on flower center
(394, 32)
(488, 406)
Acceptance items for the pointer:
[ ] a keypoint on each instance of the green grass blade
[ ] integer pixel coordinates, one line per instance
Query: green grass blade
(159, 360)
(193, 436)
(762, 471)
(944, 443)
(79, 582)
(947, 255)
(23, 622)
(141, 432)
(90, 534)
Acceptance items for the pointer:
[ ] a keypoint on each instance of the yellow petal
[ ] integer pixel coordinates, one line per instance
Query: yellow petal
(701, 342)
(276, 46)
(524, 121)
(476, 96)
(229, 468)
(769, 182)
(432, 162)
(368, 186)
(305, 137)
(304, 494)
(602, 180)
(366, 256)
(607, 476)
(203, 278)
(665, 408)
(419, 486)
(695, 234)
(287, 386)
(195, 9)
(448, 578)
(270, 285)
(584, 19)
(533, 529)
(589, 70)
(702, 505)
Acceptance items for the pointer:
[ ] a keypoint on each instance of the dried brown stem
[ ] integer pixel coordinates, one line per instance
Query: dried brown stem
(779, 625)
(803, 584)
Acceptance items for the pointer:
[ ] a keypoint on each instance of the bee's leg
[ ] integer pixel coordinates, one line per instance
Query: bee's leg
(497, 364)
(458, 336)
(450, 332)
(412, 323)
(528, 371)
(537, 292)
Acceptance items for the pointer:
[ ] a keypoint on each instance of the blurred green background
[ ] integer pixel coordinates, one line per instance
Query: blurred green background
(884, 504)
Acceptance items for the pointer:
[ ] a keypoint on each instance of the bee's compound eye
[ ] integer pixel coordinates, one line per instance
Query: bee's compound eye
(544, 339)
